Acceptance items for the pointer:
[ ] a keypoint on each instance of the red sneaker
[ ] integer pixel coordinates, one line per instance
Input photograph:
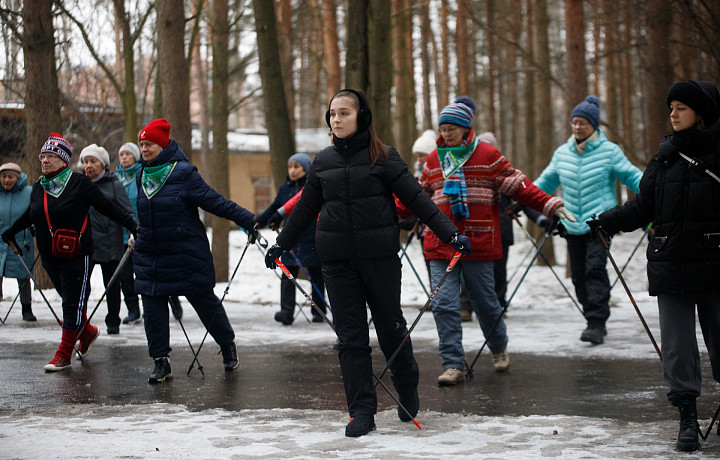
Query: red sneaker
(57, 364)
(87, 339)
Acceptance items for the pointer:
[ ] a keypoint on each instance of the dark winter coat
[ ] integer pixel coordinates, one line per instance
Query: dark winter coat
(305, 248)
(13, 204)
(108, 234)
(68, 211)
(172, 254)
(358, 218)
(683, 203)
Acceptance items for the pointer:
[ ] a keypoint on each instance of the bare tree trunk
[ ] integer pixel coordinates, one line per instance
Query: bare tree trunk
(201, 86)
(610, 47)
(283, 13)
(544, 125)
(404, 116)
(356, 54)
(658, 71)
(221, 227)
(330, 46)
(529, 92)
(445, 46)
(461, 45)
(42, 99)
(129, 98)
(577, 87)
(628, 123)
(427, 67)
(379, 39)
(174, 72)
(277, 118)
(492, 58)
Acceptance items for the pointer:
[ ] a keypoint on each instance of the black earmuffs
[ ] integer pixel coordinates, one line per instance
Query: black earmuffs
(364, 114)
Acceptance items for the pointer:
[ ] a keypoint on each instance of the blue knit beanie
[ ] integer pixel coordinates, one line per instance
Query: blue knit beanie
(461, 112)
(588, 109)
(303, 159)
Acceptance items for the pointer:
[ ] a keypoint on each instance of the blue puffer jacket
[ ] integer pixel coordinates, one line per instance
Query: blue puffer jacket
(305, 248)
(172, 253)
(13, 204)
(588, 180)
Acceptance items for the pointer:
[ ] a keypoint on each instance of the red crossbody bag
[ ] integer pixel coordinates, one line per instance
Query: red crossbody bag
(65, 242)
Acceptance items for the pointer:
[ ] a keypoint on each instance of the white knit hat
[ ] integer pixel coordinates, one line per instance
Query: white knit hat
(94, 150)
(425, 143)
(132, 148)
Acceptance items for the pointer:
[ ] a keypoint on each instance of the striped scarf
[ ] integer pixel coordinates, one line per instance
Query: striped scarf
(451, 161)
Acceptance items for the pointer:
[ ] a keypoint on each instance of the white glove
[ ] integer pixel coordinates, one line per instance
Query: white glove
(563, 213)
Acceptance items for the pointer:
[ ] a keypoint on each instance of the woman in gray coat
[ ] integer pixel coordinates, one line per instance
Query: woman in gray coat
(107, 234)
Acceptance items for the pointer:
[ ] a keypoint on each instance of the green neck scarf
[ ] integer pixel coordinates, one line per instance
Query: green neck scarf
(154, 177)
(452, 158)
(57, 183)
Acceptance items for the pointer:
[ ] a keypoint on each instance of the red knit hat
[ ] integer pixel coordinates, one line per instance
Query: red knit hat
(157, 131)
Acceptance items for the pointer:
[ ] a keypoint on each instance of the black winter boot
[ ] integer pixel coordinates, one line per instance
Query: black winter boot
(27, 313)
(162, 371)
(230, 357)
(285, 317)
(594, 334)
(360, 425)
(409, 399)
(687, 440)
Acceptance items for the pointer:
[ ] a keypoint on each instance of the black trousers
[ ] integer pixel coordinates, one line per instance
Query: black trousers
(127, 285)
(500, 271)
(112, 319)
(354, 285)
(590, 278)
(208, 307)
(71, 279)
(288, 289)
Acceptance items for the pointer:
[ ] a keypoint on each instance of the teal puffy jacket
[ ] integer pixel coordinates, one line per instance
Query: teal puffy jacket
(588, 180)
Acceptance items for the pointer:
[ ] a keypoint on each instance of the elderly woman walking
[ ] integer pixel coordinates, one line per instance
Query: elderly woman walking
(14, 200)
(59, 208)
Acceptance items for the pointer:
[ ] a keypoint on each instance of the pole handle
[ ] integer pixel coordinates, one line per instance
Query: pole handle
(14, 246)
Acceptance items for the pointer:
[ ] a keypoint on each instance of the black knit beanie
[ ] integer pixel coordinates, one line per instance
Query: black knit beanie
(691, 94)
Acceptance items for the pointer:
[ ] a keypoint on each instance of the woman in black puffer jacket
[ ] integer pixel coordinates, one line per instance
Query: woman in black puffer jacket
(351, 184)
(683, 202)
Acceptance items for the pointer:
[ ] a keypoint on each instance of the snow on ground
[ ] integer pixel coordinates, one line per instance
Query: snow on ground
(541, 320)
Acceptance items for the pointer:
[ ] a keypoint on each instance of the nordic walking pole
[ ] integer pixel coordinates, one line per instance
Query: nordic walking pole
(327, 320)
(522, 262)
(18, 294)
(534, 243)
(449, 268)
(410, 236)
(13, 245)
(307, 275)
(497, 322)
(627, 290)
(414, 271)
(261, 241)
(16, 250)
(645, 232)
(279, 276)
(113, 278)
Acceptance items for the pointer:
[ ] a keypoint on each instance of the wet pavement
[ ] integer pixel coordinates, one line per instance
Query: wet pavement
(309, 378)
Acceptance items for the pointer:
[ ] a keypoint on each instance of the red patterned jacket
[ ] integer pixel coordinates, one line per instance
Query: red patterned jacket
(487, 174)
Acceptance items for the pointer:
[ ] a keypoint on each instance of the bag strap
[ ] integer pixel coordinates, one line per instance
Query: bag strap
(699, 164)
(47, 217)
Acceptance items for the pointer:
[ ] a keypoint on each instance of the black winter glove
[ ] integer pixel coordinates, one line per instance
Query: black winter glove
(543, 222)
(561, 231)
(460, 243)
(596, 227)
(9, 238)
(273, 253)
(275, 221)
(253, 233)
